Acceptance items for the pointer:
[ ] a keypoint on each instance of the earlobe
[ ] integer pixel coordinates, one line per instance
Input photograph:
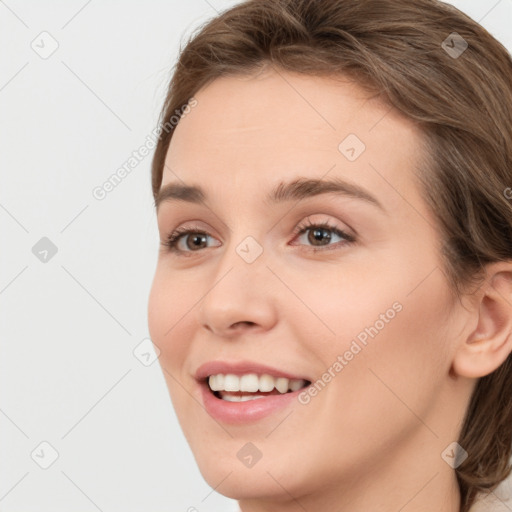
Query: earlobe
(490, 343)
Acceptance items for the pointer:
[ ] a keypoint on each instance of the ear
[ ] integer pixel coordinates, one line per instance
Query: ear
(490, 343)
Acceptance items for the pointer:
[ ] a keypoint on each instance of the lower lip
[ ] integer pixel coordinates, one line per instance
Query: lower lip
(244, 412)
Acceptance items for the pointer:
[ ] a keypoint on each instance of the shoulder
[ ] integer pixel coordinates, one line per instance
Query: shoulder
(491, 503)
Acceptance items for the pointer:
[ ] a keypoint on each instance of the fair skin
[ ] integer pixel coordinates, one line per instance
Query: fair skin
(373, 438)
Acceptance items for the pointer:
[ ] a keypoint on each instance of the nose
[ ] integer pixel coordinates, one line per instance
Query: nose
(242, 296)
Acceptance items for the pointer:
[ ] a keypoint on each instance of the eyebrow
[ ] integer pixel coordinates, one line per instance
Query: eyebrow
(296, 190)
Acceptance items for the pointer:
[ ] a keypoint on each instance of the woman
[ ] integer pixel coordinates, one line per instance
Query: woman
(333, 294)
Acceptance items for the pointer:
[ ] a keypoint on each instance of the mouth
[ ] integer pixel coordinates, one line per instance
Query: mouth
(251, 386)
(242, 392)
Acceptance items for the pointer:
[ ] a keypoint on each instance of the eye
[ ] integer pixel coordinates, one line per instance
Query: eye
(181, 241)
(185, 240)
(319, 235)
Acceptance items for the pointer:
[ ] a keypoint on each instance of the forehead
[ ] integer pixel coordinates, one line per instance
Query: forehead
(254, 131)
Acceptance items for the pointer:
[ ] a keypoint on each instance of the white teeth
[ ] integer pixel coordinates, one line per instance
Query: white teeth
(216, 382)
(251, 383)
(234, 398)
(282, 384)
(231, 383)
(266, 383)
(295, 385)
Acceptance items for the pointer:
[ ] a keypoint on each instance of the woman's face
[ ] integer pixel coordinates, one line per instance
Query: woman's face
(366, 313)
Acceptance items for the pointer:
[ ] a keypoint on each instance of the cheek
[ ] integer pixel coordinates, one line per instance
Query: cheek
(383, 304)
(384, 319)
(395, 358)
(169, 302)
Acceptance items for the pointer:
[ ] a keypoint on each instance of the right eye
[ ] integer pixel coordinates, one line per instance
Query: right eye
(182, 241)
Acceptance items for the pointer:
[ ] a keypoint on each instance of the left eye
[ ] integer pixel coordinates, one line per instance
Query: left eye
(322, 234)
(318, 235)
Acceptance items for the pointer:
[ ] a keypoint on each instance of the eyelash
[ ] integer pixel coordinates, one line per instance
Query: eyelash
(173, 238)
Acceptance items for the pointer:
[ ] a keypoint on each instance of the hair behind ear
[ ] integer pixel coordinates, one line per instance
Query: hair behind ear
(486, 434)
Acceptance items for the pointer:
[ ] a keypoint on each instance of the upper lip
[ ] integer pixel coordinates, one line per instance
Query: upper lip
(241, 368)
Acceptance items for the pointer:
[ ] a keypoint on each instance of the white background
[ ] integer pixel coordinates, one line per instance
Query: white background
(68, 375)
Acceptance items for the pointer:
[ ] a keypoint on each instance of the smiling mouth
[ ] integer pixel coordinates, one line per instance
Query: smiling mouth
(241, 388)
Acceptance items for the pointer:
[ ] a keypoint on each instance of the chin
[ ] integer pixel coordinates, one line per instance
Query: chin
(230, 477)
(243, 483)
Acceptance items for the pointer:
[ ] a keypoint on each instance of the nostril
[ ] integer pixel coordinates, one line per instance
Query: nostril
(244, 322)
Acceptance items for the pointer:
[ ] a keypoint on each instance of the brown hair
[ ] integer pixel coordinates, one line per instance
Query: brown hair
(461, 98)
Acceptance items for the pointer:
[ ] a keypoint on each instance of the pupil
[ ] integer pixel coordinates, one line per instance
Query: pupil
(197, 239)
(318, 234)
